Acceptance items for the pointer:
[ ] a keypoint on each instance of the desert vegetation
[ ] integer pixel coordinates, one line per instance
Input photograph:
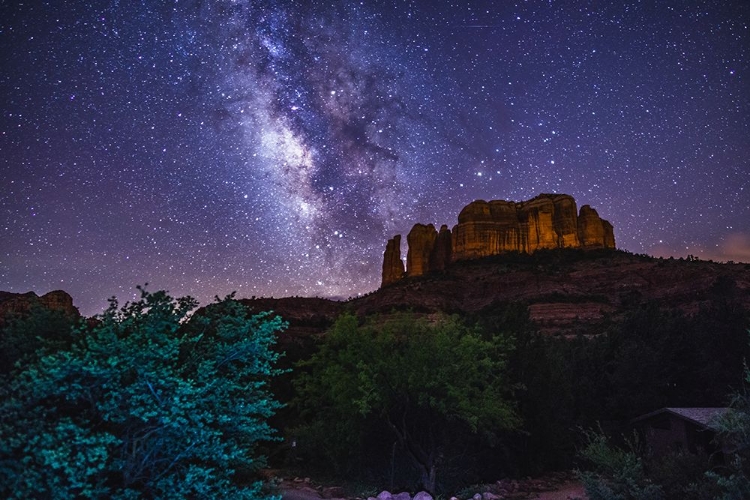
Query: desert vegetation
(140, 402)
(367, 372)
(157, 399)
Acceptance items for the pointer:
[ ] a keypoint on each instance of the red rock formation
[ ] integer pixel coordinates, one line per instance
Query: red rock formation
(59, 300)
(421, 240)
(547, 221)
(393, 266)
(485, 229)
(566, 222)
(440, 256)
(593, 232)
(536, 224)
(491, 228)
(12, 304)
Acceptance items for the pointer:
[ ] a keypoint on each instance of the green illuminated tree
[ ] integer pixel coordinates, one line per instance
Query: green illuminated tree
(428, 384)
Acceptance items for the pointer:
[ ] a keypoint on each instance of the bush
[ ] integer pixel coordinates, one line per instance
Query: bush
(623, 474)
(145, 404)
(734, 434)
(616, 474)
(682, 475)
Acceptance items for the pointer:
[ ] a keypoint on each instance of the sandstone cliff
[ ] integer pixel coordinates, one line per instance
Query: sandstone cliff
(442, 250)
(593, 232)
(421, 240)
(393, 266)
(495, 227)
(14, 304)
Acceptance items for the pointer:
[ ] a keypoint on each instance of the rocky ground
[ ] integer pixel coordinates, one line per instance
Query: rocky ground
(558, 486)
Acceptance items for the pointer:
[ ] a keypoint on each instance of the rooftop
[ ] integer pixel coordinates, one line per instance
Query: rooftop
(701, 416)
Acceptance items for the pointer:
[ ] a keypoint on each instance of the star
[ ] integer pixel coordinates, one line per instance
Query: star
(274, 147)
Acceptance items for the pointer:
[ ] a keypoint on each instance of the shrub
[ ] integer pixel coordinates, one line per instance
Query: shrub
(616, 474)
(145, 404)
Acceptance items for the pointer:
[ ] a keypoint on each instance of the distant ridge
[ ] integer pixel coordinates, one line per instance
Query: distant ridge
(567, 291)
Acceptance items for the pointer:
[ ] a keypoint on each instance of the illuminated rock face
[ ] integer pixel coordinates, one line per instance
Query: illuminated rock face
(441, 253)
(421, 240)
(393, 266)
(495, 227)
(491, 228)
(594, 232)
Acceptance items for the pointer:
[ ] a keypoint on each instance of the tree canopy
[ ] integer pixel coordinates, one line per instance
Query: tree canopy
(146, 403)
(427, 383)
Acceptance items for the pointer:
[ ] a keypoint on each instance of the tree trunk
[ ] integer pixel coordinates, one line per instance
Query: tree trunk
(428, 478)
(424, 460)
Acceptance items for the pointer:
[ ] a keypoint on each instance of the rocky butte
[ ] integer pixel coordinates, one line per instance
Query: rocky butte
(496, 227)
(18, 304)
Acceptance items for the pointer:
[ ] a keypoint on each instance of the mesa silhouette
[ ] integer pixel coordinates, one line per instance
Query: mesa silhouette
(492, 228)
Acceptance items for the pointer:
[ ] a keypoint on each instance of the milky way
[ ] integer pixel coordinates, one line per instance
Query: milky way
(272, 147)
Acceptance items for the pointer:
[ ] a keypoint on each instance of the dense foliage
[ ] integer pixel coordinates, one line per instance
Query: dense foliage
(24, 336)
(734, 434)
(649, 359)
(629, 471)
(396, 401)
(616, 473)
(425, 387)
(146, 403)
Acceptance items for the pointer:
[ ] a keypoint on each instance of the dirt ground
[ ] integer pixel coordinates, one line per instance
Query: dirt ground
(570, 490)
(292, 494)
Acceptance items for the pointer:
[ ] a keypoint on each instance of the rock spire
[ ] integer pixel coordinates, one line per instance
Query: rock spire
(494, 227)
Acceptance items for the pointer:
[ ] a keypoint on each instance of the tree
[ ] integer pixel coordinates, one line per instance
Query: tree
(23, 335)
(630, 473)
(144, 404)
(424, 382)
(733, 431)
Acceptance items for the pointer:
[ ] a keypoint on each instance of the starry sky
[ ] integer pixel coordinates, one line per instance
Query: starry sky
(271, 147)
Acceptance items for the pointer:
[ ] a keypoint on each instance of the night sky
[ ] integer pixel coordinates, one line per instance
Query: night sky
(272, 147)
